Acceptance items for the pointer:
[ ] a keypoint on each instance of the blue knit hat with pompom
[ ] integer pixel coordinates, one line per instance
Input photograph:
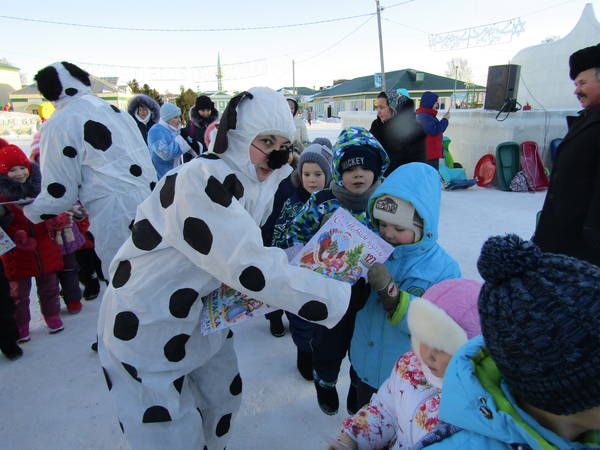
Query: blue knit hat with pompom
(540, 318)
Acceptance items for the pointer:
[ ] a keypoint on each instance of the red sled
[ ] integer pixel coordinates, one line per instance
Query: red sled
(485, 170)
(532, 165)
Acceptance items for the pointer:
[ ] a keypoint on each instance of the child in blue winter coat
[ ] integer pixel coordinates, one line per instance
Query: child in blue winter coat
(405, 209)
(533, 380)
(359, 162)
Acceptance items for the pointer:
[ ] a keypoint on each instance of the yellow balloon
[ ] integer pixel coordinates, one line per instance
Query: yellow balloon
(45, 110)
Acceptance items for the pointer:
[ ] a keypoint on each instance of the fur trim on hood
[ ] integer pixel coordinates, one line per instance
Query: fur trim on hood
(149, 102)
(200, 121)
(12, 190)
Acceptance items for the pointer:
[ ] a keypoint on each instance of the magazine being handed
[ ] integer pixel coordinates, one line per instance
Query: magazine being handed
(343, 249)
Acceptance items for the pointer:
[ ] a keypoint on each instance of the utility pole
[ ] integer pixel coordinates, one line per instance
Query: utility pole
(383, 83)
(294, 77)
(455, 78)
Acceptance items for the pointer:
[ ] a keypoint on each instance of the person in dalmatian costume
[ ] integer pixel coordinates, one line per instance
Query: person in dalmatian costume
(174, 387)
(93, 152)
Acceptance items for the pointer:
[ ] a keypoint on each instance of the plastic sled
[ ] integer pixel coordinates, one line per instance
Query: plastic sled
(454, 178)
(485, 170)
(507, 163)
(532, 165)
(460, 184)
(554, 143)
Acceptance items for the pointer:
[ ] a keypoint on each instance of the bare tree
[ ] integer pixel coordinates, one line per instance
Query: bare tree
(459, 68)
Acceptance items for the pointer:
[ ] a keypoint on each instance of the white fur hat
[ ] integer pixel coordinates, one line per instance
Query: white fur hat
(446, 317)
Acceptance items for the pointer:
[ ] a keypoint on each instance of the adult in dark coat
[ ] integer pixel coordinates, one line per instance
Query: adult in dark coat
(570, 219)
(202, 114)
(384, 114)
(145, 111)
(403, 138)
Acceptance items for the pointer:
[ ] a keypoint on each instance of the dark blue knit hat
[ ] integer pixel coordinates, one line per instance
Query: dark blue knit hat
(428, 99)
(540, 318)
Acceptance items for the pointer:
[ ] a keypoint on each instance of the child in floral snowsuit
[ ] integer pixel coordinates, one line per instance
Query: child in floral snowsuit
(405, 407)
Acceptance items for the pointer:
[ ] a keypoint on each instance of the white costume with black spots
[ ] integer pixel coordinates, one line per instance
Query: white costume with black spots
(91, 151)
(175, 388)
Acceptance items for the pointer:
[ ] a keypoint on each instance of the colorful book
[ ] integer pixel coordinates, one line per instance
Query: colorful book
(343, 249)
(225, 307)
(6, 243)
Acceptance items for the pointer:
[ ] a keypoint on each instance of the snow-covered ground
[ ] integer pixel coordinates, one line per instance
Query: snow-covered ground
(55, 398)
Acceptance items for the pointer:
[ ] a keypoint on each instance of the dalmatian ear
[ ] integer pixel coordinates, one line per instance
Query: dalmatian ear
(48, 83)
(78, 73)
(228, 121)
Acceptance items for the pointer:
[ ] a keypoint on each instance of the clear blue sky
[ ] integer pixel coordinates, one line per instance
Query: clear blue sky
(31, 46)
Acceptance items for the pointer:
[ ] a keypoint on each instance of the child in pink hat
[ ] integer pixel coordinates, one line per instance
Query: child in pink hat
(405, 408)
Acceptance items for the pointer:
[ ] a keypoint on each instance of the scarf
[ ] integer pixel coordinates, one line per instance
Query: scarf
(350, 201)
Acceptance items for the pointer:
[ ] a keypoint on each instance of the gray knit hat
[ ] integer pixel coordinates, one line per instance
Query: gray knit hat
(318, 154)
(540, 318)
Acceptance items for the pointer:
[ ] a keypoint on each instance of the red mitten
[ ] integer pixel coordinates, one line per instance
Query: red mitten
(24, 242)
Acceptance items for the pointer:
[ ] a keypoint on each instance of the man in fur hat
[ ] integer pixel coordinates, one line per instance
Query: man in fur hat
(570, 219)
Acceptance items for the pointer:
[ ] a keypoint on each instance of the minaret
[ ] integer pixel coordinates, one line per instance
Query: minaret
(219, 74)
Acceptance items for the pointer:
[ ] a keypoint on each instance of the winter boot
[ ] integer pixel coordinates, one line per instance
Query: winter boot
(74, 307)
(54, 324)
(276, 326)
(91, 288)
(304, 364)
(327, 396)
(11, 350)
(352, 400)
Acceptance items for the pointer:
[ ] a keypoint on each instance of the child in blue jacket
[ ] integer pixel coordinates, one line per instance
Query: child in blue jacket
(405, 209)
(532, 381)
(359, 162)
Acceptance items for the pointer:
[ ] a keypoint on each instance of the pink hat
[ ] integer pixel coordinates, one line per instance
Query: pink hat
(447, 316)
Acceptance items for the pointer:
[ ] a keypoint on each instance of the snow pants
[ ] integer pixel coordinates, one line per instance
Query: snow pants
(47, 290)
(167, 411)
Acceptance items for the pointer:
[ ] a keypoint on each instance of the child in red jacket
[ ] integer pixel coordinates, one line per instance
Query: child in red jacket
(36, 253)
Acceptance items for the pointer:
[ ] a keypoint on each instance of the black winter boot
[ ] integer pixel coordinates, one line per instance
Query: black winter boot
(11, 350)
(91, 288)
(304, 364)
(352, 400)
(327, 397)
(276, 326)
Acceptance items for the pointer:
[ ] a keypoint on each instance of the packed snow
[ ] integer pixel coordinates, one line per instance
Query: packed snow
(55, 397)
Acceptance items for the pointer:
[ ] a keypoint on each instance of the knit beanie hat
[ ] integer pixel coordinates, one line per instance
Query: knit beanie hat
(358, 142)
(428, 99)
(399, 212)
(204, 102)
(584, 59)
(540, 318)
(11, 156)
(363, 156)
(320, 155)
(169, 111)
(323, 141)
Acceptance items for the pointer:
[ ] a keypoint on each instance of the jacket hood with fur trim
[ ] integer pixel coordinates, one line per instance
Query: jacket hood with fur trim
(149, 102)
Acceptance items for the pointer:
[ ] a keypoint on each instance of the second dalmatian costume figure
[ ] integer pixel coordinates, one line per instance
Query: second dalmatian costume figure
(174, 387)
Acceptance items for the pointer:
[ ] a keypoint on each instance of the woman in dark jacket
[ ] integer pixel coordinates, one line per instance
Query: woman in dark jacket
(145, 111)
(202, 114)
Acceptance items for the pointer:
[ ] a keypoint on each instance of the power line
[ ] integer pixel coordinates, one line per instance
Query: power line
(185, 30)
(338, 42)
(208, 66)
